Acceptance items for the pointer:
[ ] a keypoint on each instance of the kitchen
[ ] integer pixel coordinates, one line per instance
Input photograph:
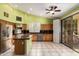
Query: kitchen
(22, 32)
(17, 32)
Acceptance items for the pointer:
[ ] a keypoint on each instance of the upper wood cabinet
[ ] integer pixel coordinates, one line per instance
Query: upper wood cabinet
(24, 26)
(46, 26)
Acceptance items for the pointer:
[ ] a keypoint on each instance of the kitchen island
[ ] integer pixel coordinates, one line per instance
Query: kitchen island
(22, 45)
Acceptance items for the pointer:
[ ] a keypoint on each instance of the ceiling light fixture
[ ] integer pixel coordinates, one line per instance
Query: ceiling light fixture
(52, 12)
(30, 9)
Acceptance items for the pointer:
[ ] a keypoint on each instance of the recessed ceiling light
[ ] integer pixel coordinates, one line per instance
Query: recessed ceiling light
(30, 9)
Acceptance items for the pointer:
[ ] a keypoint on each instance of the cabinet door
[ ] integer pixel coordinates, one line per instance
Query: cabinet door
(19, 47)
(39, 37)
(48, 37)
(46, 26)
(34, 37)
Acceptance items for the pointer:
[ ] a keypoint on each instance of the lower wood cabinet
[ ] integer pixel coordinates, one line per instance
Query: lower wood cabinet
(19, 47)
(45, 37)
(34, 37)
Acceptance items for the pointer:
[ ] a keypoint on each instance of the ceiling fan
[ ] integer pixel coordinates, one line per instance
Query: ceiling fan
(52, 9)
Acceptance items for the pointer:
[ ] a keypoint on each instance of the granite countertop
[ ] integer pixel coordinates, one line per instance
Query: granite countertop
(22, 37)
(19, 37)
(26, 38)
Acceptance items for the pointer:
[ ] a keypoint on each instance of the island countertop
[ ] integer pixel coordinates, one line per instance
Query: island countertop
(27, 38)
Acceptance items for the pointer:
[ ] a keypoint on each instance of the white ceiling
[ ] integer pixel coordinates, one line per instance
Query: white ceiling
(38, 9)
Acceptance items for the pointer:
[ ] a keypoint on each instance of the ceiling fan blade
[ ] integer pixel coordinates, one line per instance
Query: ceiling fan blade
(47, 12)
(57, 10)
(48, 9)
(55, 7)
(51, 8)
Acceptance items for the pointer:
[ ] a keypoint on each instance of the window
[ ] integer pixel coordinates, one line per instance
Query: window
(34, 27)
(6, 14)
(18, 18)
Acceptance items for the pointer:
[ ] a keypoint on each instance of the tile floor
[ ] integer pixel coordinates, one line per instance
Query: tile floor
(51, 49)
(48, 49)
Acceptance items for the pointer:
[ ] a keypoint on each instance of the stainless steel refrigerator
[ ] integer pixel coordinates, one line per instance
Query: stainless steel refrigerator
(3, 38)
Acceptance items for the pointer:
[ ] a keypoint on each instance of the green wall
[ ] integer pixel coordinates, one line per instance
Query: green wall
(27, 18)
(31, 18)
(8, 9)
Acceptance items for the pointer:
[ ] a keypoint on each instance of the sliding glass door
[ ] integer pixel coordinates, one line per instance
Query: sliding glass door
(76, 32)
(67, 32)
(70, 32)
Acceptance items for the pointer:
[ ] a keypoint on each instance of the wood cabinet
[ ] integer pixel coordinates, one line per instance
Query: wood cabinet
(44, 37)
(34, 37)
(24, 26)
(19, 47)
(47, 37)
(46, 26)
